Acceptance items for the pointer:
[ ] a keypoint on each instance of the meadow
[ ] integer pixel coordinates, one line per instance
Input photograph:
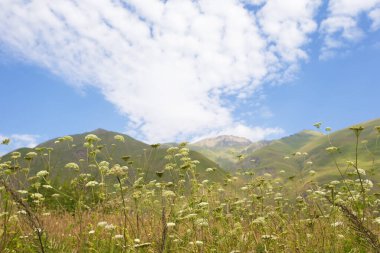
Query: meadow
(109, 204)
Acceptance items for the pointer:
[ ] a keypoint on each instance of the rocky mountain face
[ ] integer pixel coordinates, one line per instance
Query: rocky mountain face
(223, 141)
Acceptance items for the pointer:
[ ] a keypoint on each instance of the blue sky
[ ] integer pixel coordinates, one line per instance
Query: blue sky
(168, 72)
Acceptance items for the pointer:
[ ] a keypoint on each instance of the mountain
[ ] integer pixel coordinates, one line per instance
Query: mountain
(143, 157)
(296, 155)
(224, 149)
(222, 141)
(255, 146)
(271, 156)
(345, 140)
(299, 153)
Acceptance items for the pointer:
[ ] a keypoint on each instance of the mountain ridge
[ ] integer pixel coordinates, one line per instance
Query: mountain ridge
(229, 152)
(222, 141)
(145, 157)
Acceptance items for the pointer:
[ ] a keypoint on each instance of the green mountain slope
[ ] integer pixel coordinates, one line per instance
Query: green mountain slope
(305, 151)
(345, 140)
(292, 156)
(271, 157)
(143, 158)
(223, 149)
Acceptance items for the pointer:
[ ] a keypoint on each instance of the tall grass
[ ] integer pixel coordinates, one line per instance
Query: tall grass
(120, 208)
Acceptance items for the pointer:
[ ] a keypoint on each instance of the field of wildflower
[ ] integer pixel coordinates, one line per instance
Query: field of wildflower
(119, 209)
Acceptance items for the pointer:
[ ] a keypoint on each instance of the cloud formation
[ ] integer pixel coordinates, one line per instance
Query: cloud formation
(252, 133)
(342, 27)
(168, 65)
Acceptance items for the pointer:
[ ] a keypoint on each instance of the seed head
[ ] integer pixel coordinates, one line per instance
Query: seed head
(156, 145)
(92, 184)
(31, 155)
(92, 138)
(72, 166)
(331, 149)
(42, 173)
(6, 141)
(357, 130)
(119, 138)
(361, 171)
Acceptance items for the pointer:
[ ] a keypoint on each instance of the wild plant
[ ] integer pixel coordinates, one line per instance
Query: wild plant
(115, 204)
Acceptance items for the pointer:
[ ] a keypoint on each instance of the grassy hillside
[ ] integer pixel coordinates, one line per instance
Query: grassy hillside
(247, 212)
(142, 157)
(295, 155)
(345, 141)
(224, 150)
(305, 151)
(271, 157)
(223, 156)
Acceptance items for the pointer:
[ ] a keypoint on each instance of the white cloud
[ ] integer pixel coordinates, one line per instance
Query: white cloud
(18, 141)
(342, 23)
(252, 133)
(287, 25)
(164, 64)
(375, 17)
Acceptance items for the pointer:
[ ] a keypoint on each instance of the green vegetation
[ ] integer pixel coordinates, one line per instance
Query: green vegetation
(55, 154)
(274, 157)
(224, 149)
(277, 155)
(96, 193)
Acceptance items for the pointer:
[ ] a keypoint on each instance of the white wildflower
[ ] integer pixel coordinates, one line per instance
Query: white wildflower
(72, 166)
(119, 137)
(361, 172)
(37, 196)
(170, 224)
(203, 204)
(92, 184)
(201, 222)
(199, 243)
(168, 194)
(118, 170)
(269, 237)
(109, 227)
(102, 224)
(337, 224)
(91, 138)
(332, 149)
(31, 154)
(259, 220)
(42, 173)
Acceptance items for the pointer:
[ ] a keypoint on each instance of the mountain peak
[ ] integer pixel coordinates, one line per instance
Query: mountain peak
(223, 141)
(99, 131)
